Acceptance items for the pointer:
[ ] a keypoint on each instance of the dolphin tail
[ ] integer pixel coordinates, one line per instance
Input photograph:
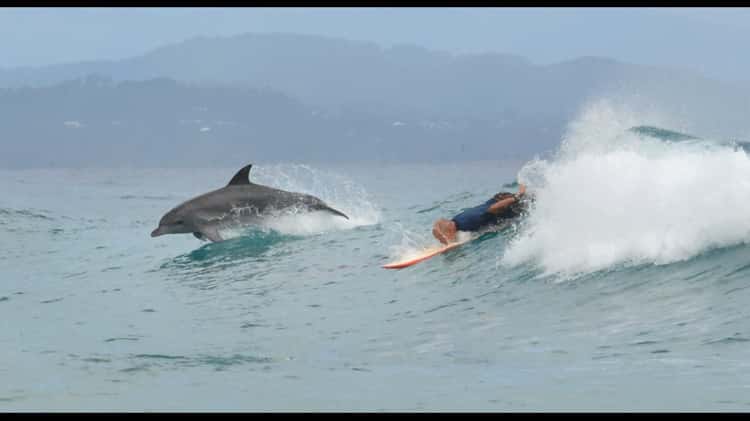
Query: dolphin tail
(333, 211)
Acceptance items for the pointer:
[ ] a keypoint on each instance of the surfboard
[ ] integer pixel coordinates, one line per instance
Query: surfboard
(426, 253)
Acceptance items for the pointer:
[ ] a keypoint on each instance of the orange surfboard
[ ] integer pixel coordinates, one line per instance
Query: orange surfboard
(426, 254)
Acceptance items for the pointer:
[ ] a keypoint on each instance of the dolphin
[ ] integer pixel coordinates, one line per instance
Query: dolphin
(239, 202)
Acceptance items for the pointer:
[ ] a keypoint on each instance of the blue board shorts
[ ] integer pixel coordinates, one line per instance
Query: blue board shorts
(473, 219)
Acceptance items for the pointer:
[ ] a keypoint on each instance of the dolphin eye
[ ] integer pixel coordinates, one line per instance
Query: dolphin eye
(180, 222)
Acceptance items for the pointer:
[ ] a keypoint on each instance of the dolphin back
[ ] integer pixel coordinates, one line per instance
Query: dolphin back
(276, 196)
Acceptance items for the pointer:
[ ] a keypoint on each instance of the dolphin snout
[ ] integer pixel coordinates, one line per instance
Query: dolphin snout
(157, 232)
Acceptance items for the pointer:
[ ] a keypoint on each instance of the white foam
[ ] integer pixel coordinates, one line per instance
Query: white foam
(610, 197)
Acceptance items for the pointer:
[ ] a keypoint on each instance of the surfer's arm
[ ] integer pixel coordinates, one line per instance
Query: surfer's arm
(500, 205)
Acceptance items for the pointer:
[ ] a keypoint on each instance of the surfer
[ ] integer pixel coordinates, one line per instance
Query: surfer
(501, 207)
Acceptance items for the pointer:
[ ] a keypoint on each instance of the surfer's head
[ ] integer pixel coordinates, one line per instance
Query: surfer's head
(444, 230)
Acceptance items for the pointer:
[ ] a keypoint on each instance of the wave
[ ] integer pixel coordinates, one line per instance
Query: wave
(147, 197)
(24, 213)
(250, 245)
(613, 197)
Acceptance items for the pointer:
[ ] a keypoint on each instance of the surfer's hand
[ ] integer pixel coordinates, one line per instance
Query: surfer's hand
(521, 189)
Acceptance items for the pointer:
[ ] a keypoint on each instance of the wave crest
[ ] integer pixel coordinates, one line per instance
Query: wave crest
(612, 197)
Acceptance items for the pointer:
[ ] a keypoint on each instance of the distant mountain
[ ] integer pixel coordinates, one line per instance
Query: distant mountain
(335, 72)
(317, 70)
(96, 121)
(328, 98)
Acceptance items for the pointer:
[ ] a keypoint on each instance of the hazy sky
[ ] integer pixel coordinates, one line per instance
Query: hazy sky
(708, 40)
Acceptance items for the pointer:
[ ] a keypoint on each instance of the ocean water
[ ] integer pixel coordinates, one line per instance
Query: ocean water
(625, 288)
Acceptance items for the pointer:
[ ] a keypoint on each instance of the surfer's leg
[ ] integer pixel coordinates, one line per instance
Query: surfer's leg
(444, 230)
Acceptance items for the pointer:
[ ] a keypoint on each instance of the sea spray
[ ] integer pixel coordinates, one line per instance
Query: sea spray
(611, 197)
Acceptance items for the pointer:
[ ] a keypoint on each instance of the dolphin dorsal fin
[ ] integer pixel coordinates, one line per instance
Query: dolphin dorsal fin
(242, 177)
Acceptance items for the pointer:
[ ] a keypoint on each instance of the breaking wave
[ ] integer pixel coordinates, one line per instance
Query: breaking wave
(611, 197)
